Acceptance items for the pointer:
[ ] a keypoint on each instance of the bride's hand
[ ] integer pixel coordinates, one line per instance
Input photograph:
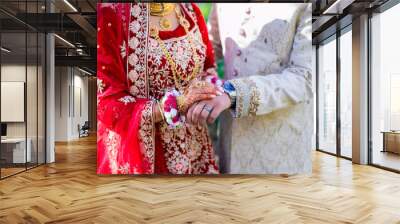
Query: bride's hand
(197, 91)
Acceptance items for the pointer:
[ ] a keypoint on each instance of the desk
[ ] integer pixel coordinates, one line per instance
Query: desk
(13, 150)
(391, 141)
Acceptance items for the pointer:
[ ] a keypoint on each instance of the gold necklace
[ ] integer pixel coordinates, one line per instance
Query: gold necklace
(155, 34)
(165, 23)
(161, 9)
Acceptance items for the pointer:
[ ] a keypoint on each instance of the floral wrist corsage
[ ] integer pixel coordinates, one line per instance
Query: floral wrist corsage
(211, 76)
(169, 106)
(213, 79)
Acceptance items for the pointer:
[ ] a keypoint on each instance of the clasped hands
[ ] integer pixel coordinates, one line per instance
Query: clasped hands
(203, 102)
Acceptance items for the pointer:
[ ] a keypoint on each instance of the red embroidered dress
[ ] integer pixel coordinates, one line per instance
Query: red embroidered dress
(133, 73)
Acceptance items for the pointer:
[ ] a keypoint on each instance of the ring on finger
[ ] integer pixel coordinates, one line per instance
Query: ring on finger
(209, 115)
(204, 114)
(208, 108)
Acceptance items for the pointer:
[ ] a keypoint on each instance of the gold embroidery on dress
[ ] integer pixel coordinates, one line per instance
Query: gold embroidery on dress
(174, 143)
(112, 146)
(146, 135)
(127, 99)
(160, 77)
(137, 53)
(123, 50)
(254, 98)
(187, 150)
(124, 169)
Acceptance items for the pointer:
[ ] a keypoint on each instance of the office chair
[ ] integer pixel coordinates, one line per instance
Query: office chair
(84, 130)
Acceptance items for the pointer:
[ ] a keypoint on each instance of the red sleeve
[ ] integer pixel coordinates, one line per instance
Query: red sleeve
(210, 59)
(120, 115)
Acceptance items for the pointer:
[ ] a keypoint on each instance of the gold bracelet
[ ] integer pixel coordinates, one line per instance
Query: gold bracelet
(180, 101)
(161, 110)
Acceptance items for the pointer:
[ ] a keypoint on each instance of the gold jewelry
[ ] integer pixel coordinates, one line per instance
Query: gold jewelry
(165, 24)
(200, 84)
(161, 111)
(161, 9)
(180, 101)
(196, 69)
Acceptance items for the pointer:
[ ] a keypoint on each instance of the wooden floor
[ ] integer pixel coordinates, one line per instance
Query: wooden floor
(69, 191)
(387, 159)
(5, 172)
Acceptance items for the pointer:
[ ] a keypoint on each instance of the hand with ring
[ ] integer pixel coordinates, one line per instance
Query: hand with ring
(207, 110)
(197, 91)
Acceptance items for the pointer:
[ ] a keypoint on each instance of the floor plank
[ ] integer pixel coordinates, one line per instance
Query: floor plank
(69, 191)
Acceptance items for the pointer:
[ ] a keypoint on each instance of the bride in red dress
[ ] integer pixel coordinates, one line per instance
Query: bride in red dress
(143, 52)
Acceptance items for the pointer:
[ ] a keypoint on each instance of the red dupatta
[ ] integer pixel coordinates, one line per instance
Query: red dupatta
(125, 137)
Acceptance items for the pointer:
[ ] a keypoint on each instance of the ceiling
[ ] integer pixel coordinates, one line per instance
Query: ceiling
(72, 20)
(332, 15)
(75, 22)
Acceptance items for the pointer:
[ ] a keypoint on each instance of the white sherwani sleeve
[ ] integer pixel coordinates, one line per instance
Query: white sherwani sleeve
(264, 93)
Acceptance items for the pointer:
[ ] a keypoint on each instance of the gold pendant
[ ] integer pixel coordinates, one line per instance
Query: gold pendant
(165, 24)
(161, 9)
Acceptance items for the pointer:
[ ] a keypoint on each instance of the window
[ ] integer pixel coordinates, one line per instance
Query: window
(22, 75)
(385, 89)
(346, 93)
(327, 97)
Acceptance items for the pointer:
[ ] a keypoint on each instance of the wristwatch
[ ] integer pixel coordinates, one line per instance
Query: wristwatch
(231, 91)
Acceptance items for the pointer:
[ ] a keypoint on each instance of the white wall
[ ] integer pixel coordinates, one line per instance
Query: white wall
(61, 103)
(71, 93)
(12, 73)
(33, 127)
(80, 84)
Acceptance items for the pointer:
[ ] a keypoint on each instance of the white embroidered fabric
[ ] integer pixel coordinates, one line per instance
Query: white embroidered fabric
(270, 68)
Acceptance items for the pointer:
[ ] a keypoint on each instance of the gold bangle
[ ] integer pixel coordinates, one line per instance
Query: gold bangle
(180, 101)
(161, 111)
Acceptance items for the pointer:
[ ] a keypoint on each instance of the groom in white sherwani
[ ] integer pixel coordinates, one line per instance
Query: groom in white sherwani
(267, 51)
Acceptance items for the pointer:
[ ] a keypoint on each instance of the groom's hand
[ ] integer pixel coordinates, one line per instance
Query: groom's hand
(208, 110)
